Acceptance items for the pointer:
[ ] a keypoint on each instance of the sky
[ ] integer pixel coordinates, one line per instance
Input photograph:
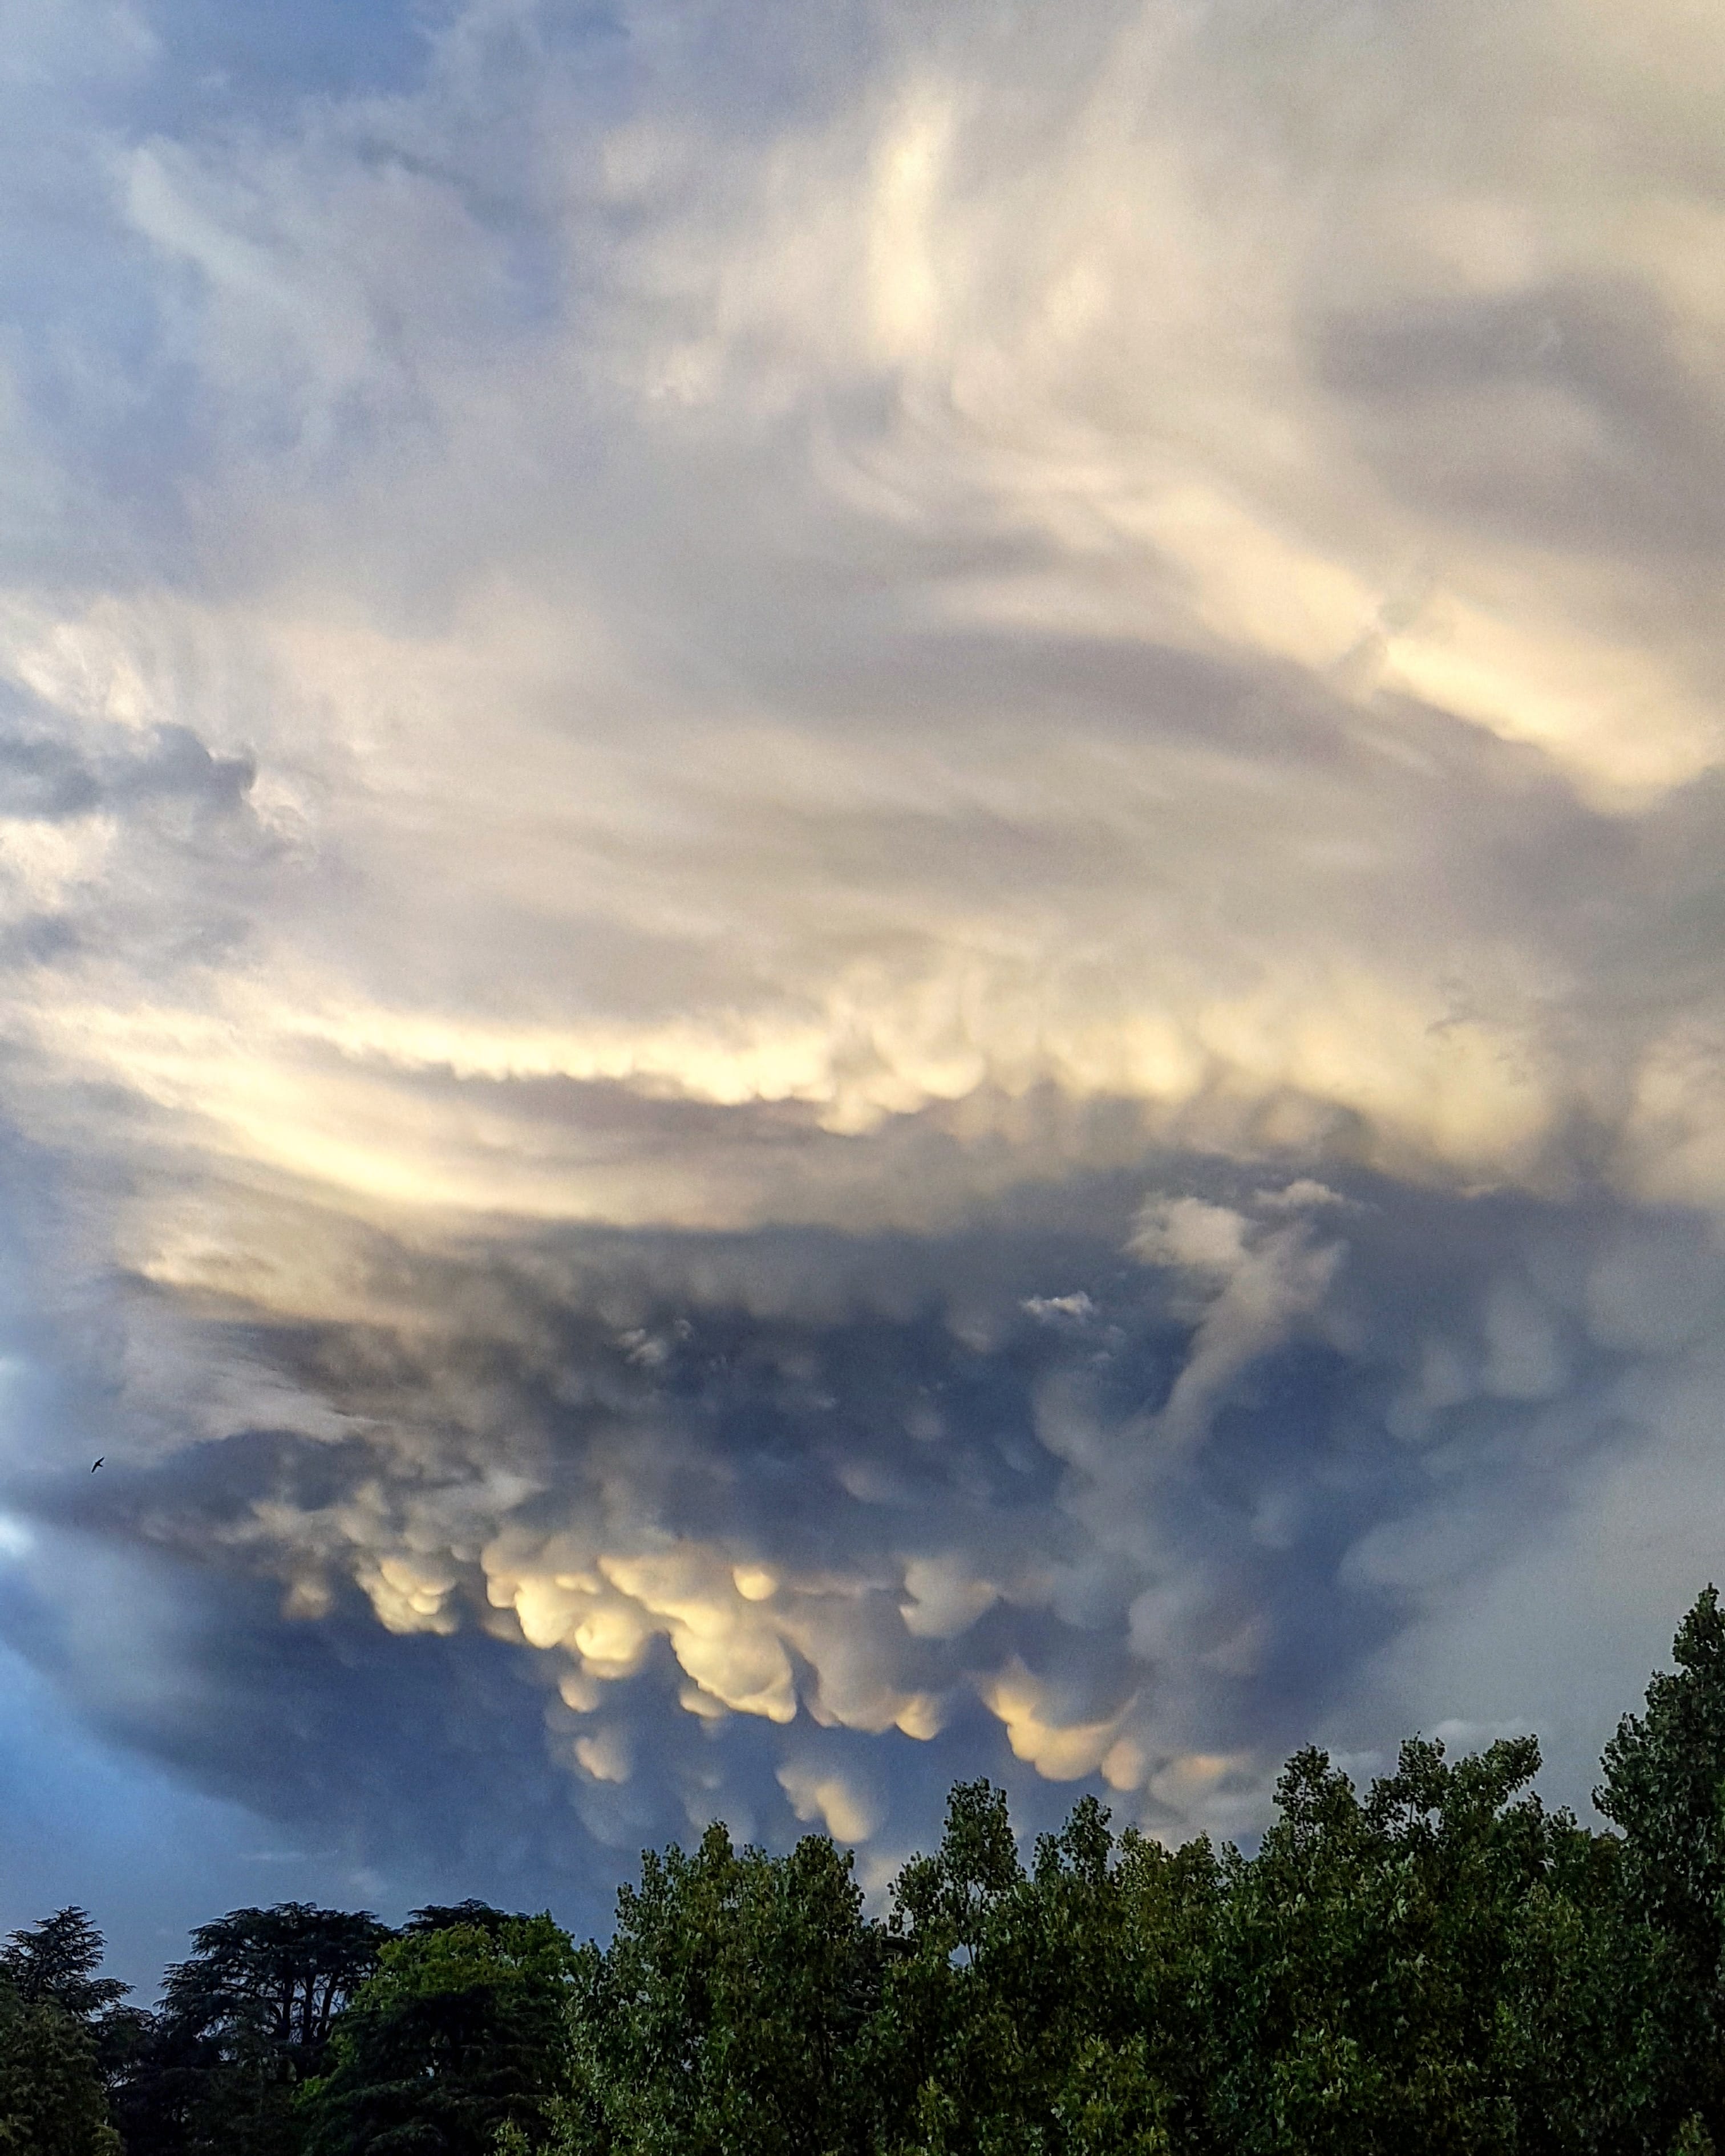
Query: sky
(861, 880)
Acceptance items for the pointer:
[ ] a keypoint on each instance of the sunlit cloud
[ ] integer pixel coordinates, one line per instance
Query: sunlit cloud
(858, 893)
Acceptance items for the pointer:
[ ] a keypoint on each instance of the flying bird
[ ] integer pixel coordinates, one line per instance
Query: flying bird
(97, 1463)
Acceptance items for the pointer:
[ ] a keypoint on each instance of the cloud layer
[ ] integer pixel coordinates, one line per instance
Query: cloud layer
(857, 889)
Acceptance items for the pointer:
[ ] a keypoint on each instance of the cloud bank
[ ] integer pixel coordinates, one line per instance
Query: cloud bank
(858, 899)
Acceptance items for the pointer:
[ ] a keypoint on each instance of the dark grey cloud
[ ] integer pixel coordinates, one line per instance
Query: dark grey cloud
(971, 1441)
(1566, 415)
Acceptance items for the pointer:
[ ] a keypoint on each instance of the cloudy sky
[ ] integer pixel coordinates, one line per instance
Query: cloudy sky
(861, 872)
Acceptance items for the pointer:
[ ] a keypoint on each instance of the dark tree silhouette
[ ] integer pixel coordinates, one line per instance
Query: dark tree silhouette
(244, 2019)
(57, 1959)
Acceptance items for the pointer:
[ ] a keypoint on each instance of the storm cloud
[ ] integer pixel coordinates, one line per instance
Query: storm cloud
(858, 907)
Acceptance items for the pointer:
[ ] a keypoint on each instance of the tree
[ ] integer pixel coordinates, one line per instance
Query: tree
(1382, 1971)
(1665, 1787)
(460, 2032)
(57, 1962)
(726, 2012)
(1571, 2000)
(944, 2041)
(1047, 2010)
(57, 1959)
(52, 2101)
(244, 2019)
(446, 1916)
(275, 1976)
(947, 1900)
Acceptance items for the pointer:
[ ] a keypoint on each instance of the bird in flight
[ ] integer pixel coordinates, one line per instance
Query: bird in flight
(98, 1464)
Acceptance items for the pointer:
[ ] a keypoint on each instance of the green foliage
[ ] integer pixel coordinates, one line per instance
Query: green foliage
(1109, 2104)
(1051, 2009)
(461, 2031)
(58, 1962)
(1665, 1787)
(727, 2011)
(1360, 1969)
(52, 2101)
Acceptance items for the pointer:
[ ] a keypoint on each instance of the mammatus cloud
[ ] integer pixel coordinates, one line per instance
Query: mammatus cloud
(797, 1522)
(858, 887)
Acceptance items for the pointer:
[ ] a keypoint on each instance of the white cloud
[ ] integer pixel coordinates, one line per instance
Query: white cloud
(847, 1813)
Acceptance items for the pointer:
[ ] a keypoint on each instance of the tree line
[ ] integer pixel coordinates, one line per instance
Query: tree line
(1439, 1965)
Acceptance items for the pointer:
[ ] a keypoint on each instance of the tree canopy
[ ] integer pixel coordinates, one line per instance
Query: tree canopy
(461, 2030)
